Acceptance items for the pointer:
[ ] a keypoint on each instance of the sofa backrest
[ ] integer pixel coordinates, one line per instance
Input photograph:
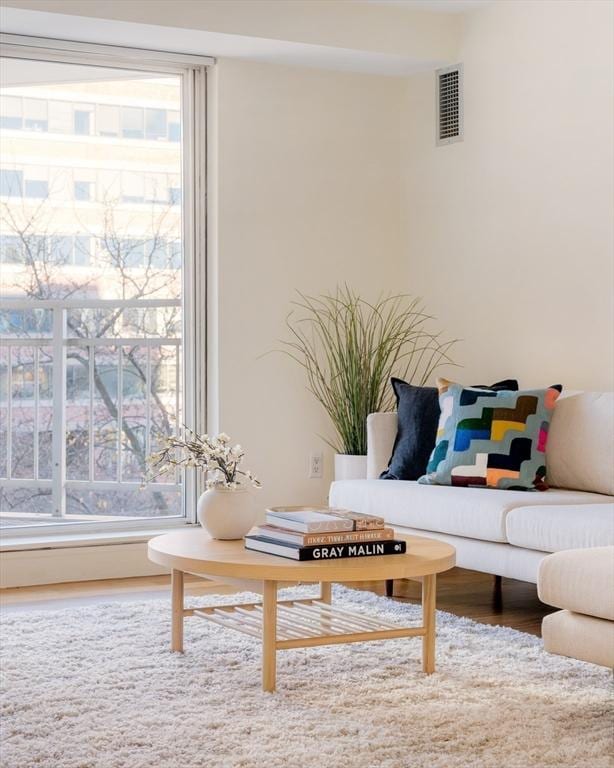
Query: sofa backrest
(580, 453)
(381, 432)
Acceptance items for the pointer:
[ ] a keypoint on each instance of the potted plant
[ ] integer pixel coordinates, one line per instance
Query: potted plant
(225, 509)
(349, 349)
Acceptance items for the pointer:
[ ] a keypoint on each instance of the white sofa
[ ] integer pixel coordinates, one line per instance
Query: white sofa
(581, 583)
(505, 533)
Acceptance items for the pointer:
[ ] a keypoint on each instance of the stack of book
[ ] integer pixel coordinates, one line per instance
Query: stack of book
(309, 533)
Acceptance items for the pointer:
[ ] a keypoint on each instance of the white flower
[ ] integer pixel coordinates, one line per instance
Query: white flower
(214, 456)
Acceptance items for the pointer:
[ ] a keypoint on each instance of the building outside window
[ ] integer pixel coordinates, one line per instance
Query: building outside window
(132, 123)
(83, 190)
(35, 115)
(11, 183)
(11, 116)
(82, 121)
(155, 124)
(36, 188)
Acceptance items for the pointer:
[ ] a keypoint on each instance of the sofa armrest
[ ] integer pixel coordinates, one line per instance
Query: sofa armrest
(381, 432)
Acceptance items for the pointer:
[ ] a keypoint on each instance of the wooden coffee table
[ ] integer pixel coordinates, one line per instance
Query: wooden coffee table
(298, 623)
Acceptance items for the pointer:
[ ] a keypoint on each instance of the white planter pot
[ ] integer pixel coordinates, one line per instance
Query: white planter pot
(226, 513)
(350, 467)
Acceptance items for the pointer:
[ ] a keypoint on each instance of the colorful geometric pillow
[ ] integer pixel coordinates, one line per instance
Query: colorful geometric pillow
(491, 439)
(417, 419)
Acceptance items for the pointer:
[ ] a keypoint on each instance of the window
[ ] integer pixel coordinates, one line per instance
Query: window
(155, 123)
(133, 253)
(11, 117)
(83, 190)
(132, 123)
(174, 127)
(11, 183)
(113, 331)
(10, 249)
(35, 115)
(82, 250)
(36, 188)
(61, 249)
(82, 121)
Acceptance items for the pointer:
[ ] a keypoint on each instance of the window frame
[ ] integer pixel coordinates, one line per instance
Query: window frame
(193, 72)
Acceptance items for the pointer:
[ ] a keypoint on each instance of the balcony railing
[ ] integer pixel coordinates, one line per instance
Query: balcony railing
(88, 388)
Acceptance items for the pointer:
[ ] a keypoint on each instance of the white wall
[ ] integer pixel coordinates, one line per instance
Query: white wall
(510, 232)
(308, 196)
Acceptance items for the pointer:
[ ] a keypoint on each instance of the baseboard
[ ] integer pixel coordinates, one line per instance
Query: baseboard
(28, 568)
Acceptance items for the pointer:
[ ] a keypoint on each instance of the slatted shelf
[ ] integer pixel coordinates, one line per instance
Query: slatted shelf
(303, 623)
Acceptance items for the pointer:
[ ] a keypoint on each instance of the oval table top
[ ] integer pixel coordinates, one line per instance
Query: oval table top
(194, 551)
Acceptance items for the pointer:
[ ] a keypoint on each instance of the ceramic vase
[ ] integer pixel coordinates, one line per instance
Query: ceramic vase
(226, 513)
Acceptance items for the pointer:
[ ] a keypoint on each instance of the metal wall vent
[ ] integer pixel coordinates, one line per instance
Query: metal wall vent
(450, 104)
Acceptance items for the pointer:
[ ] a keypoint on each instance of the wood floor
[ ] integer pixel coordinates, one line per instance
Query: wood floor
(465, 593)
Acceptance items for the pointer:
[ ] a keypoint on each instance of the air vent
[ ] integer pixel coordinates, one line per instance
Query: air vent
(450, 104)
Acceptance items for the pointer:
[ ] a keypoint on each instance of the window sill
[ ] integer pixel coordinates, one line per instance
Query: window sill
(82, 539)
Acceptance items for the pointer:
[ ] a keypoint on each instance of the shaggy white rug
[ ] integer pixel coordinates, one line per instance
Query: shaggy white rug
(98, 688)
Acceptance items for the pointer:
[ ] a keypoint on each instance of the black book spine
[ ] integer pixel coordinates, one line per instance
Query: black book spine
(358, 549)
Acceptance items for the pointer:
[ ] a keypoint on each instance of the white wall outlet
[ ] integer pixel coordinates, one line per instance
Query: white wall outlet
(316, 461)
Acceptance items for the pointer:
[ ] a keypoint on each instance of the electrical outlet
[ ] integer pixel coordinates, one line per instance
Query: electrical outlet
(315, 465)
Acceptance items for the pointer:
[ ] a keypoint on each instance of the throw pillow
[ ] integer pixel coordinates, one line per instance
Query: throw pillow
(491, 439)
(418, 416)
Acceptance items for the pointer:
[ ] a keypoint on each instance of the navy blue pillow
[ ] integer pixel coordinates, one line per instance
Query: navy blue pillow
(418, 417)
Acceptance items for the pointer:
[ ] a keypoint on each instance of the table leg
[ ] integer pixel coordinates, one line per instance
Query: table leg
(269, 635)
(177, 610)
(429, 594)
(326, 591)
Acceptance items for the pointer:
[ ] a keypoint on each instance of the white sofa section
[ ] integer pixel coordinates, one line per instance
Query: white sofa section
(581, 583)
(506, 533)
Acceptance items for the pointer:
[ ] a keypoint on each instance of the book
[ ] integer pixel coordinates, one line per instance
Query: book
(306, 520)
(325, 552)
(314, 539)
(361, 521)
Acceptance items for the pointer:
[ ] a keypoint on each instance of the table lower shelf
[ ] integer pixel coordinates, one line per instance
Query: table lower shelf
(304, 623)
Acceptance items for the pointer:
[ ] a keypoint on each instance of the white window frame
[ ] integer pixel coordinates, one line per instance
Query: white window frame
(193, 72)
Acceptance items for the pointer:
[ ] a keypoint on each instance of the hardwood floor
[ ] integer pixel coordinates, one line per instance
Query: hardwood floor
(465, 593)
(472, 594)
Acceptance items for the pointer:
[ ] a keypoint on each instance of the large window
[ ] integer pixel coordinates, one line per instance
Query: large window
(97, 215)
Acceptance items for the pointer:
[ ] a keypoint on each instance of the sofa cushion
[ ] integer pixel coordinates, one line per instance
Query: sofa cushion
(580, 444)
(476, 513)
(417, 419)
(580, 637)
(580, 580)
(491, 439)
(418, 416)
(553, 527)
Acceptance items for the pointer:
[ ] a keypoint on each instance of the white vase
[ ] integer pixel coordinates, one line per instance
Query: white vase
(226, 513)
(349, 467)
